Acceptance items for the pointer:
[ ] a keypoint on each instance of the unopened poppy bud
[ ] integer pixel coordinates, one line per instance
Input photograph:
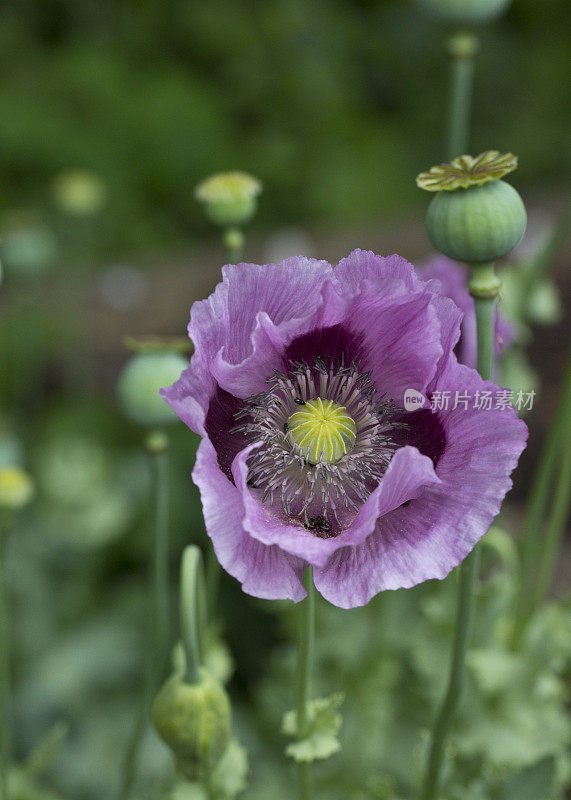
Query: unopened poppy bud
(475, 216)
(464, 12)
(194, 720)
(229, 198)
(139, 385)
(16, 488)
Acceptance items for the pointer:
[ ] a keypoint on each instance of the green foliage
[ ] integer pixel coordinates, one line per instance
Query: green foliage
(324, 725)
(392, 657)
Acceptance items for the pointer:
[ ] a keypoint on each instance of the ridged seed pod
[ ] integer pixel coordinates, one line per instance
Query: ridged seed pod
(474, 216)
(478, 224)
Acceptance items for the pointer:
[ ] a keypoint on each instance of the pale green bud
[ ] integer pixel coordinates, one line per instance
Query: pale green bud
(229, 198)
(139, 385)
(194, 720)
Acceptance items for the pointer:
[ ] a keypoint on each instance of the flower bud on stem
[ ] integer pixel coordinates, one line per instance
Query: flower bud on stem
(191, 712)
(477, 218)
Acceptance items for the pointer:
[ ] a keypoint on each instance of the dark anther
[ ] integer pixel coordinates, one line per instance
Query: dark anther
(319, 525)
(299, 401)
(286, 427)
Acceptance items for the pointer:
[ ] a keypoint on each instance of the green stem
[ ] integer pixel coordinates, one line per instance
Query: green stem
(5, 682)
(555, 526)
(468, 577)
(462, 49)
(192, 610)
(161, 561)
(485, 317)
(304, 664)
(234, 241)
(160, 631)
(533, 548)
(469, 569)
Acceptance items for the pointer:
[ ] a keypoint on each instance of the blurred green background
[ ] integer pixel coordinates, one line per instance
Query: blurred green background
(335, 106)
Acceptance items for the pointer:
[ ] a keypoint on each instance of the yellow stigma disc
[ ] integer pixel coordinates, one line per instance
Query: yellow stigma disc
(323, 431)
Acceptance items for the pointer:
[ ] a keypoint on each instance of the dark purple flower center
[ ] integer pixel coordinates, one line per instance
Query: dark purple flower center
(321, 493)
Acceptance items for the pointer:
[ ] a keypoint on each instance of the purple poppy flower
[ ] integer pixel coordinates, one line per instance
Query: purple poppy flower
(296, 386)
(453, 277)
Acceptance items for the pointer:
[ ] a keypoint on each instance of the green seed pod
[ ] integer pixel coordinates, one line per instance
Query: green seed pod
(139, 385)
(477, 224)
(194, 720)
(464, 12)
(230, 198)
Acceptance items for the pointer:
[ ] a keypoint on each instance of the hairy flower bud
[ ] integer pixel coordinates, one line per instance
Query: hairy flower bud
(194, 720)
(139, 385)
(464, 12)
(229, 198)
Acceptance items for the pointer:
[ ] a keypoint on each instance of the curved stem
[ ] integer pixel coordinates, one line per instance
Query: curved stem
(5, 682)
(304, 664)
(469, 569)
(192, 610)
